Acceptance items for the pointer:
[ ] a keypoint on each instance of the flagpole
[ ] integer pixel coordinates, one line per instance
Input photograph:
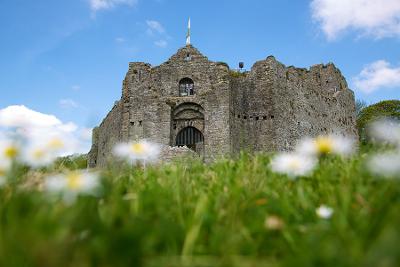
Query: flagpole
(188, 34)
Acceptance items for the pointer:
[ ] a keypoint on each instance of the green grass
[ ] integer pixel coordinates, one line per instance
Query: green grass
(197, 215)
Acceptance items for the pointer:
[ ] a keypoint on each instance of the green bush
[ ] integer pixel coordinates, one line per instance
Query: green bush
(383, 109)
(223, 64)
(237, 74)
(72, 162)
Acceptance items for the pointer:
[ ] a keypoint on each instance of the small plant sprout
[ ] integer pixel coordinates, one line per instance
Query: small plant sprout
(138, 151)
(293, 165)
(324, 212)
(72, 184)
(325, 145)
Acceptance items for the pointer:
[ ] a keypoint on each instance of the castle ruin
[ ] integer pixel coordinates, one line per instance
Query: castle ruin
(194, 102)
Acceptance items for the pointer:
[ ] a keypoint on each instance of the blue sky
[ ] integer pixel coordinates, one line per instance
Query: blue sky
(68, 58)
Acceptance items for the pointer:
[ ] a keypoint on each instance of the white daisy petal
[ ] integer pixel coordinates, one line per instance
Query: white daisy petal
(72, 184)
(307, 147)
(343, 146)
(324, 212)
(55, 144)
(55, 183)
(9, 150)
(386, 164)
(323, 145)
(386, 130)
(138, 151)
(38, 156)
(293, 165)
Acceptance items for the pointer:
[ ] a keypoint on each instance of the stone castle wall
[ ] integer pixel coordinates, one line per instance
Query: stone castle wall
(274, 106)
(151, 95)
(266, 109)
(106, 136)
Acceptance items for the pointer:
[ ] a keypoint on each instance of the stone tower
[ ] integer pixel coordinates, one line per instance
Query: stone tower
(190, 100)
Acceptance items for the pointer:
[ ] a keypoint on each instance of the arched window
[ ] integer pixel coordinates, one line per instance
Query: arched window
(186, 87)
(189, 137)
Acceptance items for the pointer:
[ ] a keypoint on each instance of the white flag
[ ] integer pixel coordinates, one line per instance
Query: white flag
(188, 34)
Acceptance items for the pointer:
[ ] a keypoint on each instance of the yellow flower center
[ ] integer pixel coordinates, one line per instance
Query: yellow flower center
(74, 181)
(38, 154)
(56, 143)
(324, 145)
(294, 164)
(138, 148)
(11, 152)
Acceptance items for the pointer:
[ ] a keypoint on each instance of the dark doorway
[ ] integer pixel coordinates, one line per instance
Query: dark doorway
(189, 137)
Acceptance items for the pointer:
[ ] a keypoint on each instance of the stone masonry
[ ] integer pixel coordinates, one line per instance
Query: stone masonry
(215, 111)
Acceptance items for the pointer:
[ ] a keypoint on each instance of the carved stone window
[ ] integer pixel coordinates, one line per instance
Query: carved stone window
(186, 87)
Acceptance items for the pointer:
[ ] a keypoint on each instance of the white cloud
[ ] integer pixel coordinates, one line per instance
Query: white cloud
(86, 133)
(156, 30)
(21, 116)
(68, 103)
(96, 5)
(161, 43)
(377, 18)
(377, 75)
(22, 121)
(68, 127)
(154, 26)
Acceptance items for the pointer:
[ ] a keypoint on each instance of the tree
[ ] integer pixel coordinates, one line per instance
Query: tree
(384, 109)
(360, 105)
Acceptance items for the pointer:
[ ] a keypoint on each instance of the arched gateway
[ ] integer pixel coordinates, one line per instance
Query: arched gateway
(187, 126)
(190, 137)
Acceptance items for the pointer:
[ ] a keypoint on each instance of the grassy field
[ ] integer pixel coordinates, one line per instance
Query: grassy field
(230, 213)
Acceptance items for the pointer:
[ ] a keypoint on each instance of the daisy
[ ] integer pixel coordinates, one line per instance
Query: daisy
(72, 184)
(38, 156)
(55, 144)
(324, 212)
(385, 164)
(323, 145)
(293, 165)
(138, 151)
(9, 150)
(44, 150)
(386, 130)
